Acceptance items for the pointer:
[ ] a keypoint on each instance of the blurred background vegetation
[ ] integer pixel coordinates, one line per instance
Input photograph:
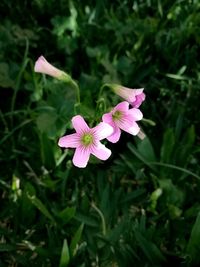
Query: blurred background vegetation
(139, 208)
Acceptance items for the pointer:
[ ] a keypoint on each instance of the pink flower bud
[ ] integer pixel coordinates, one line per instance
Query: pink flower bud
(43, 66)
(134, 96)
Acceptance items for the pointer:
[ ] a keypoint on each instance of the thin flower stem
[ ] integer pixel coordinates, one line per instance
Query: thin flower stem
(101, 101)
(102, 88)
(15, 129)
(141, 135)
(101, 216)
(18, 81)
(4, 121)
(75, 85)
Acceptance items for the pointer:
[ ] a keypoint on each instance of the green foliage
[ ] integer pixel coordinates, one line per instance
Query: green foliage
(139, 208)
(65, 258)
(193, 244)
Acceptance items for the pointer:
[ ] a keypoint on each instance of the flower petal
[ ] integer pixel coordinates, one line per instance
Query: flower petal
(107, 117)
(134, 130)
(138, 91)
(114, 138)
(101, 152)
(129, 126)
(69, 141)
(123, 106)
(102, 130)
(81, 157)
(79, 124)
(40, 65)
(138, 100)
(136, 114)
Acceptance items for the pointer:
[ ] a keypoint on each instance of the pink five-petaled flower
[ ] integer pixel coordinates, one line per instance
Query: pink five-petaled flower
(43, 66)
(123, 118)
(134, 96)
(87, 141)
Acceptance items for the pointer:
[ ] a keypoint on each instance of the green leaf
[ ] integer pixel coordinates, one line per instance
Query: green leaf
(5, 80)
(65, 257)
(174, 211)
(86, 220)
(28, 211)
(76, 238)
(46, 122)
(133, 195)
(105, 199)
(37, 202)
(193, 246)
(150, 250)
(67, 214)
(167, 146)
(176, 76)
(185, 147)
(7, 247)
(140, 156)
(174, 195)
(47, 152)
(145, 148)
(160, 8)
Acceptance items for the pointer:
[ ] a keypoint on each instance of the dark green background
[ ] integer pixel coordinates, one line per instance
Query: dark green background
(139, 208)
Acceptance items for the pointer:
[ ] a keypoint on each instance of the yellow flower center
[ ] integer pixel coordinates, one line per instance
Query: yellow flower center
(117, 115)
(87, 139)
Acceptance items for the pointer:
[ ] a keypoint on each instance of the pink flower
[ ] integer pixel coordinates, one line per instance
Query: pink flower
(123, 118)
(87, 141)
(134, 96)
(43, 66)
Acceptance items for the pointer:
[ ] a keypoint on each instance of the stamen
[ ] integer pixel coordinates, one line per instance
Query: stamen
(87, 139)
(117, 115)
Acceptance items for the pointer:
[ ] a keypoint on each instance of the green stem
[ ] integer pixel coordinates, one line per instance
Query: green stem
(4, 121)
(18, 81)
(65, 77)
(102, 218)
(100, 99)
(75, 85)
(14, 130)
(102, 88)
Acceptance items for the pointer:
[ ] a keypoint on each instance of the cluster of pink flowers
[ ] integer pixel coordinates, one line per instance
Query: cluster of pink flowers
(86, 140)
